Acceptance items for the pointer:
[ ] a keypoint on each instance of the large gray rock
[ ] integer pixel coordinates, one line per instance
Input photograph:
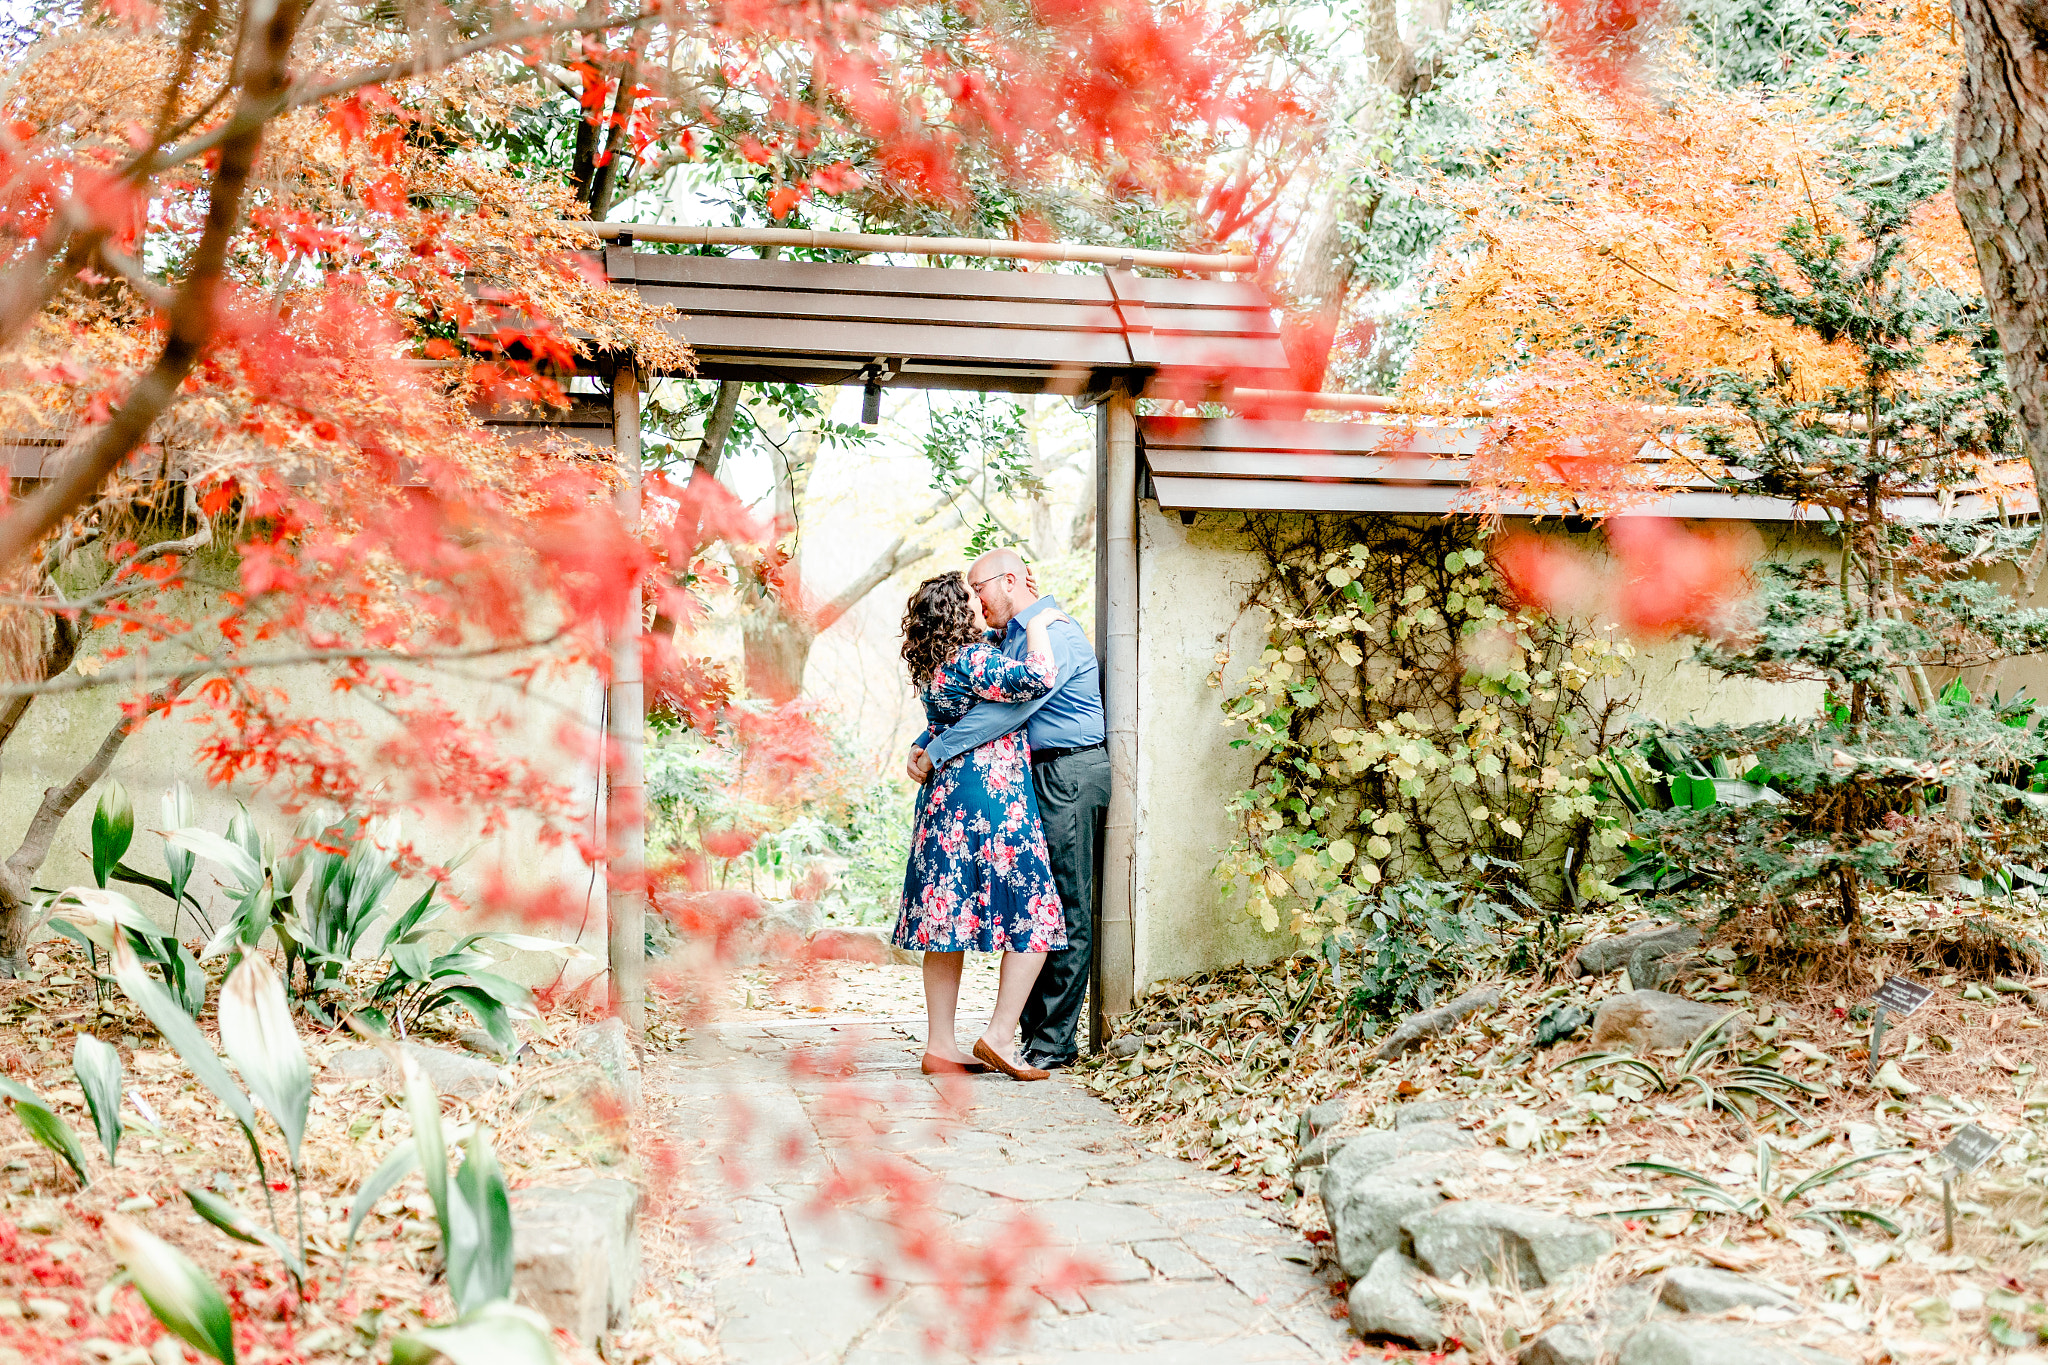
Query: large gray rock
(1604, 955)
(1701, 1289)
(1425, 1111)
(1366, 1214)
(450, 1073)
(1320, 1118)
(1481, 1237)
(576, 1254)
(1671, 1343)
(779, 933)
(1387, 1301)
(1428, 1024)
(607, 1046)
(1560, 1022)
(1377, 1179)
(357, 1063)
(1647, 1021)
(579, 1108)
(1568, 1343)
(1317, 1151)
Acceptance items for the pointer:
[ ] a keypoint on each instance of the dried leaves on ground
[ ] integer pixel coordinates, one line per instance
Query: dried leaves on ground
(1219, 1069)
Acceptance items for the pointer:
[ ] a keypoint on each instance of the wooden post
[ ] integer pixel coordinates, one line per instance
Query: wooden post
(625, 805)
(1117, 949)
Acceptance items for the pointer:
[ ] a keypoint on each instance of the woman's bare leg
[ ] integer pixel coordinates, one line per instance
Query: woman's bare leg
(941, 1003)
(1013, 988)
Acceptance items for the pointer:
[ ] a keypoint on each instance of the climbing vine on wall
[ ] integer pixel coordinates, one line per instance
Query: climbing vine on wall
(1408, 718)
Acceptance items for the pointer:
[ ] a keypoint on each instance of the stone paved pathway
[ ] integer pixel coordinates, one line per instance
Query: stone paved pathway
(1191, 1275)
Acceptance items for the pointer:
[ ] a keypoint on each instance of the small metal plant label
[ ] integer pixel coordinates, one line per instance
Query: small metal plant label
(1971, 1147)
(1900, 996)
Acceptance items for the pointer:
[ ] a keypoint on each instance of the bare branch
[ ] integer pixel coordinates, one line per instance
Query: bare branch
(130, 269)
(58, 801)
(725, 410)
(121, 580)
(298, 97)
(78, 682)
(900, 555)
(616, 139)
(63, 649)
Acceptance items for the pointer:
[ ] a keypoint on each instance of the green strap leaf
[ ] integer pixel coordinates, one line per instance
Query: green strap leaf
(181, 1033)
(480, 1254)
(187, 1041)
(1854, 1214)
(498, 1333)
(240, 864)
(423, 1107)
(113, 829)
(1830, 1174)
(400, 1162)
(177, 1291)
(98, 1068)
(495, 1018)
(55, 1134)
(256, 1027)
(240, 1226)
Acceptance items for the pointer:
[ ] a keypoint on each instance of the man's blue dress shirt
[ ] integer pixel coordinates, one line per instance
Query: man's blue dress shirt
(1068, 717)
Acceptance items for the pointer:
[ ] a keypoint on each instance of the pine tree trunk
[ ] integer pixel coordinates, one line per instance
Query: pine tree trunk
(2001, 187)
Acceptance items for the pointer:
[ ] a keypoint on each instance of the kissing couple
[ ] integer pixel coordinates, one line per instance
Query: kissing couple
(1013, 780)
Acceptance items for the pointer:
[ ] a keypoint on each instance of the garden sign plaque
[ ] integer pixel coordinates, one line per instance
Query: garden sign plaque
(1900, 996)
(1896, 996)
(1970, 1148)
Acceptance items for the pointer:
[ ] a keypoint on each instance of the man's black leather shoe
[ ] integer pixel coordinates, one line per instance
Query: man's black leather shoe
(1048, 1063)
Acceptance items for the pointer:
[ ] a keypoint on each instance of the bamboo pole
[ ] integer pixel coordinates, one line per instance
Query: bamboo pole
(1119, 512)
(625, 805)
(994, 248)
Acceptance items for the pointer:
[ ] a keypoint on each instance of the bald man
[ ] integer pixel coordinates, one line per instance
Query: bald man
(1070, 769)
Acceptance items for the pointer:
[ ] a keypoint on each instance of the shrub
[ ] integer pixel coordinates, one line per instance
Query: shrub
(1407, 720)
(1890, 773)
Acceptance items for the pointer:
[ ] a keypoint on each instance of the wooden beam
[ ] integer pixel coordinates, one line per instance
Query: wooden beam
(626, 786)
(1117, 948)
(992, 248)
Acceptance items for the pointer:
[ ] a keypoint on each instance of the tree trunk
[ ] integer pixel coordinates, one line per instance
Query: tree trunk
(776, 648)
(17, 876)
(2001, 187)
(1322, 281)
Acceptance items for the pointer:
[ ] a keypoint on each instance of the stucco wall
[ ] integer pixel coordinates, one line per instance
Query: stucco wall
(61, 732)
(1193, 580)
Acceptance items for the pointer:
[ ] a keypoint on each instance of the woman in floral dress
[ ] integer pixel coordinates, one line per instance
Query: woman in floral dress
(979, 877)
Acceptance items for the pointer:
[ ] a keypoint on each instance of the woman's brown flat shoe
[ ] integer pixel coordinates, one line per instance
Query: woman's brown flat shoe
(940, 1066)
(1015, 1073)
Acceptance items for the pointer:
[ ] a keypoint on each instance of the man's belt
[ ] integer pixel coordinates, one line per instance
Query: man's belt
(1048, 755)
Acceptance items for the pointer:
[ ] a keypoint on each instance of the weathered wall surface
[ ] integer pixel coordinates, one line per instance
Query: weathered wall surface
(61, 732)
(1193, 580)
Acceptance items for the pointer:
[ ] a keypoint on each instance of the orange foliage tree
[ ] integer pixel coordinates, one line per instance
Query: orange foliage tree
(1596, 278)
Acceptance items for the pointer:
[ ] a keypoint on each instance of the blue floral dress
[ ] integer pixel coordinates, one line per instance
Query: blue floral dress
(979, 877)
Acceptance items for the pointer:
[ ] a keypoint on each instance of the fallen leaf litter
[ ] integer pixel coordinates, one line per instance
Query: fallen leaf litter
(1227, 1062)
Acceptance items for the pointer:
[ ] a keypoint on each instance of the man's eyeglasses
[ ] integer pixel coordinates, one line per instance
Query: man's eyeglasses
(986, 581)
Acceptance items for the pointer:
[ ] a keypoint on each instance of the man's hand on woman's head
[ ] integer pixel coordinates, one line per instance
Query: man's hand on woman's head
(919, 768)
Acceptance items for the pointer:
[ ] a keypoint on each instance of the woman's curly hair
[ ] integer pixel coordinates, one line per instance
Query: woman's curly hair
(939, 618)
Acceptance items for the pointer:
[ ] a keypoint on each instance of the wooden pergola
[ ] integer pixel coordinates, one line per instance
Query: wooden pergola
(1103, 337)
